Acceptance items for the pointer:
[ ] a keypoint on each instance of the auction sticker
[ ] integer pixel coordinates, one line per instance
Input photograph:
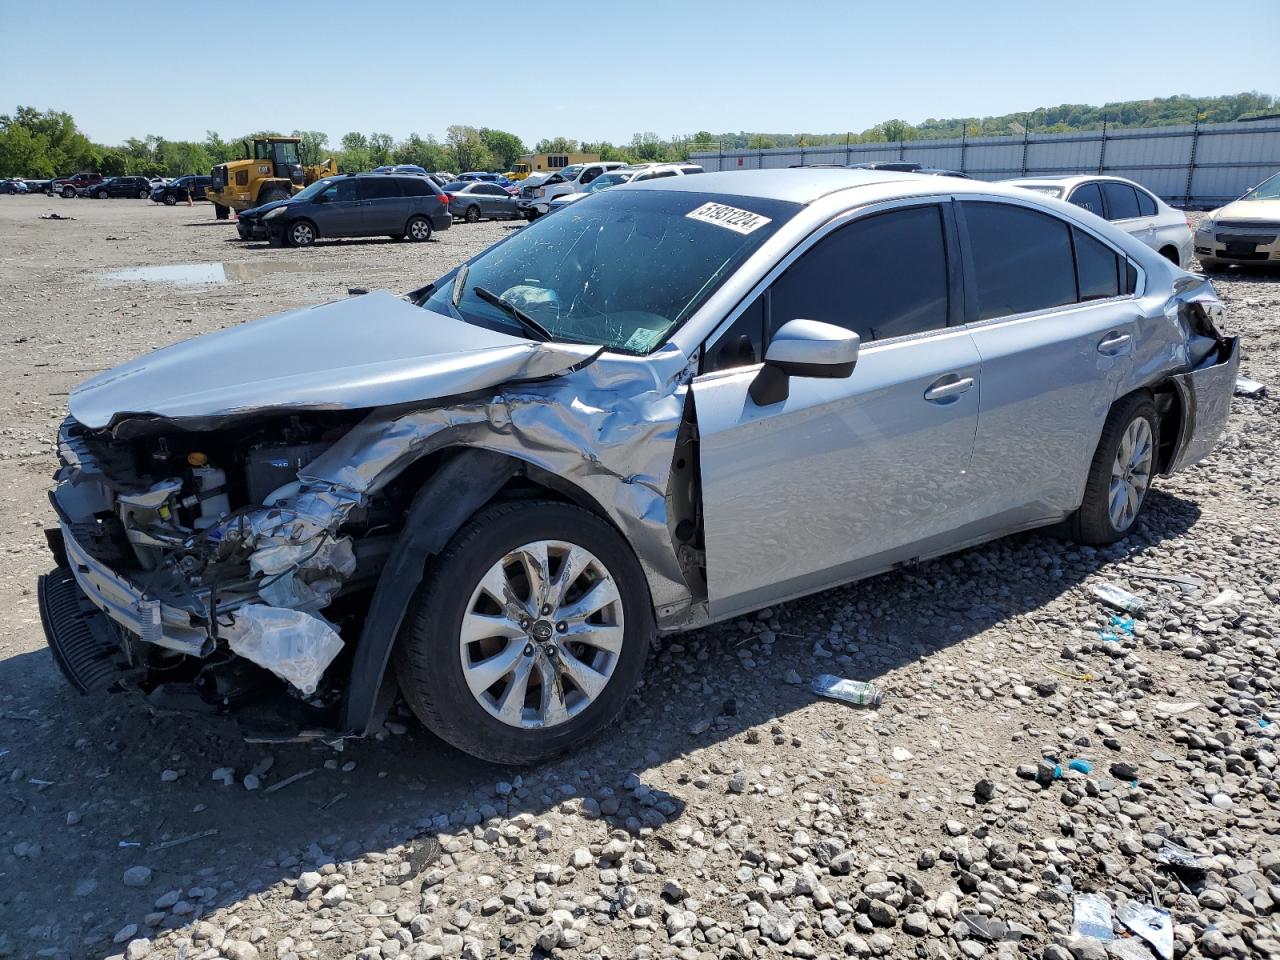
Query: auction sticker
(731, 218)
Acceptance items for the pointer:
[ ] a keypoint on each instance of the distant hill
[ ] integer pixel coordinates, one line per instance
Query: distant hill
(1158, 112)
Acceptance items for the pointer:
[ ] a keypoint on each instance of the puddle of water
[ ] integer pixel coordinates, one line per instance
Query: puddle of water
(200, 274)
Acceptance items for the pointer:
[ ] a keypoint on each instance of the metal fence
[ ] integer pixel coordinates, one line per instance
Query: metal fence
(1197, 165)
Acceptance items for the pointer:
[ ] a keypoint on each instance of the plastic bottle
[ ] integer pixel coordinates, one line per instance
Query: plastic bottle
(858, 693)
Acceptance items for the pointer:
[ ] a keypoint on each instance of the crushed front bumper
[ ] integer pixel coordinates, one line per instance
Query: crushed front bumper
(1206, 403)
(125, 603)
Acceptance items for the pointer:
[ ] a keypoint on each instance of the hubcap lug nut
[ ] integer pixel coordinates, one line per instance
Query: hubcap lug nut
(546, 608)
(528, 650)
(562, 626)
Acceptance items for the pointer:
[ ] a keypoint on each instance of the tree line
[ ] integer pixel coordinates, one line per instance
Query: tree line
(36, 143)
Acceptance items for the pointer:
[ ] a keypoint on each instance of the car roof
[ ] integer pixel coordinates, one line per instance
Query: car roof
(803, 185)
(1070, 179)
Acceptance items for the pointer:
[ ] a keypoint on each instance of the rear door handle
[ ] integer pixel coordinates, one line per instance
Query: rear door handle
(1113, 343)
(945, 388)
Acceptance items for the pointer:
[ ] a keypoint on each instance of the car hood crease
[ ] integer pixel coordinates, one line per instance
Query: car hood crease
(367, 351)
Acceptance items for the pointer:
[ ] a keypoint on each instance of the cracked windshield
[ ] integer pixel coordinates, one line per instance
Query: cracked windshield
(623, 269)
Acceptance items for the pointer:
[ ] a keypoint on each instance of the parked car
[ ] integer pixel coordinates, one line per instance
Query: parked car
(637, 173)
(37, 186)
(177, 191)
(1245, 231)
(68, 187)
(483, 176)
(138, 187)
(402, 168)
(478, 200)
(1128, 205)
(498, 492)
(355, 205)
(13, 185)
(570, 179)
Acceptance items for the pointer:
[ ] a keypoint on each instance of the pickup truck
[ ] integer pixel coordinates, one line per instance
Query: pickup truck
(69, 186)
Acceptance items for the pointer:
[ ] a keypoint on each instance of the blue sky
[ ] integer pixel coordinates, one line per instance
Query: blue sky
(606, 70)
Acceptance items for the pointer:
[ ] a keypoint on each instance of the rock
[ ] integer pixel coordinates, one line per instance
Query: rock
(224, 775)
(334, 895)
(549, 937)
(901, 754)
(125, 933)
(307, 882)
(1123, 770)
(984, 789)
(137, 949)
(168, 776)
(916, 924)
(137, 876)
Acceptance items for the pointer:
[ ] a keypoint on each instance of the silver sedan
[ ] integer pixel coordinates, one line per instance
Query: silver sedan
(692, 398)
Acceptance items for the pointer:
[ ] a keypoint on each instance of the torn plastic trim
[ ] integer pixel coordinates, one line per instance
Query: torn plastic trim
(294, 645)
(1205, 394)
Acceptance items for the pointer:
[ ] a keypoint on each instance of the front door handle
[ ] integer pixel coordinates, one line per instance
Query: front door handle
(946, 388)
(1113, 343)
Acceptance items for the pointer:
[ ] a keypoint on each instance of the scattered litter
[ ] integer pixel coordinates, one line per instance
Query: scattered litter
(4, 752)
(1225, 597)
(179, 841)
(329, 803)
(1123, 624)
(356, 291)
(40, 783)
(1084, 677)
(54, 216)
(857, 693)
(1150, 923)
(1249, 388)
(1185, 582)
(1091, 917)
(1262, 722)
(1175, 709)
(1181, 858)
(1114, 595)
(288, 780)
(123, 844)
(1081, 766)
(984, 927)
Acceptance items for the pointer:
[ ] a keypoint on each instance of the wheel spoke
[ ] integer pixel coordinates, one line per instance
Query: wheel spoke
(499, 590)
(484, 626)
(602, 636)
(597, 598)
(511, 706)
(574, 563)
(534, 558)
(483, 675)
(590, 682)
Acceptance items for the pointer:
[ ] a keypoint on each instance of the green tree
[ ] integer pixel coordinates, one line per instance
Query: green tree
(556, 145)
(314, 146)
(468, 150)
(505, 148)
(355, 152)
(23, 153)
(380, 147)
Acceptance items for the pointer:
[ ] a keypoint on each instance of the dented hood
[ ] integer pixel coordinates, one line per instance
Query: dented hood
(367, 351)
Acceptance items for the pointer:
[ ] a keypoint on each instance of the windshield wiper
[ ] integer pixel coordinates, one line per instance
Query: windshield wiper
(530, 325)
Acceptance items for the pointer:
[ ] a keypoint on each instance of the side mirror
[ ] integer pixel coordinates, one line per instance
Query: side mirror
(804, 348)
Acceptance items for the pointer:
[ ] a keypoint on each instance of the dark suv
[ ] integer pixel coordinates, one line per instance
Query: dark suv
(176, 192)
(119, 187)
(352, 205)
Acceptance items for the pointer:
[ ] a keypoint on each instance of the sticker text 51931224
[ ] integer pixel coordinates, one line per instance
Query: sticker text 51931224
(731, 218)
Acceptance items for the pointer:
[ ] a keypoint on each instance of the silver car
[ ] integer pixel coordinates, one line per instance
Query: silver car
(1130, 206)
(694, 397)
(475, 200)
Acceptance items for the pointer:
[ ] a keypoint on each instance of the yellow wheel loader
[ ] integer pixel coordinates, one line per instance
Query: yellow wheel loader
(272, 170)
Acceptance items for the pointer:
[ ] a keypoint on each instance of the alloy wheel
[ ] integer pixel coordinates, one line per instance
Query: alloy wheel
(542, 634)
(302, 234)
(1130, 474)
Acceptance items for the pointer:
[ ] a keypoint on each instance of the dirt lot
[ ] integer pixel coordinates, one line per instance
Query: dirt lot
(730, 813)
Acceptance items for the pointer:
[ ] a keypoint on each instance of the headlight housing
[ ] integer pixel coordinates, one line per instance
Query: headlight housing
(1206, 225)
(273, 213)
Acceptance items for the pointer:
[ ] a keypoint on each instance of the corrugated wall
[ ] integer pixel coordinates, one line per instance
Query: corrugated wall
(1200, 166)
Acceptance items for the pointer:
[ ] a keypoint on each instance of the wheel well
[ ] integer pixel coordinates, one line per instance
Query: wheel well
(1171, 254)
(297, 220)
(1168, 403)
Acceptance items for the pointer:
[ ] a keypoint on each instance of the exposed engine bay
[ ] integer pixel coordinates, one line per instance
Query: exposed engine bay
(201, 523)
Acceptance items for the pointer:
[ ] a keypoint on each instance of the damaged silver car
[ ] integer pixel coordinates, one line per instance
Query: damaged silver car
(674, 403)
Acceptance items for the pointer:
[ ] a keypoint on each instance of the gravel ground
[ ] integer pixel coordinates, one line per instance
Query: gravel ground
(730, 813)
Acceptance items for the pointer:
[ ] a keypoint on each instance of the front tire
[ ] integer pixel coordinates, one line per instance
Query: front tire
(1120, 474)
(302, 233)
(102, 194)
(68, 193)
(528, 634)
(472, 215)
(169, 199)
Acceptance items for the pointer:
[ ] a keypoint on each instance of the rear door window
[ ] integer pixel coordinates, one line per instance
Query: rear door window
(1097, 267)
(882, 276)
(1146, 203)
(1122, 202)
(1022, 259)
(1089, 197)
(380, 188)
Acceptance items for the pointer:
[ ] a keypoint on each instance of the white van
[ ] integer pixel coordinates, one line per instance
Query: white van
(571, 179)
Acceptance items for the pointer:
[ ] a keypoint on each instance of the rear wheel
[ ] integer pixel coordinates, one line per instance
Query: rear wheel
(472, 215)
(418, 229)
(143, 194)
(102, 194)
(221, 212)
(529, 633)
(302, 233)
(170, 200)
(1120, 474)
(68, 193)
(244, 230)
